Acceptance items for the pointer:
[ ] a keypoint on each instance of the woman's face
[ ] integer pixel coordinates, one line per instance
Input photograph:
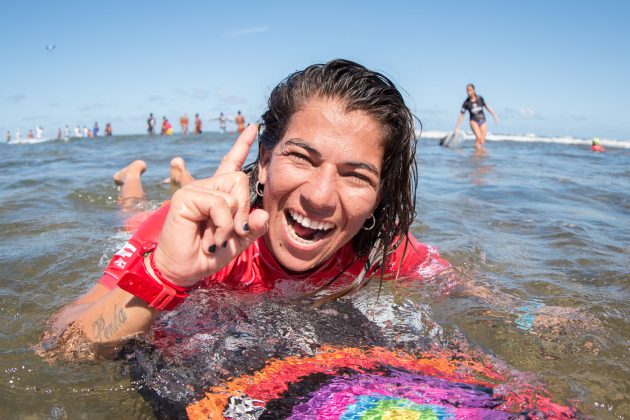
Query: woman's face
(321, 182)
(470, 91)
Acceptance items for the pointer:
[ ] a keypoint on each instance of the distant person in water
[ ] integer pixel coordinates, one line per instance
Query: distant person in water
(18, 135)
(198, 124)
(59, 134)
(108, 129)
(240, 122)
(475, 104)
(183, 124)
(151, 124)
(8, 136)
(95, 130)
(596, 146)
(30, 134)
(167, 128)
(40, 132)
(222, 122)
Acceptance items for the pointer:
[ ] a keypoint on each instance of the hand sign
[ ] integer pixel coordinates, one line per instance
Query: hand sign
(209, 223)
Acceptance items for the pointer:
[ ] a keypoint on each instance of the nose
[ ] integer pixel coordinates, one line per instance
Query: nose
(320, 195)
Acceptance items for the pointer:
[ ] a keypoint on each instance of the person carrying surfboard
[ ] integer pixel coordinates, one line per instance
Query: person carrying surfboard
(475, 104)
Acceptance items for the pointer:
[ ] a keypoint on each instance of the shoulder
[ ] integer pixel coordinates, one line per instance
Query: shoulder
(147, 225)
(413, 258)
(148, 231)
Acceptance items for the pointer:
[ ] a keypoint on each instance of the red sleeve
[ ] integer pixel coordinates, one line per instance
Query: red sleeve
(149, 231)
(417, 260)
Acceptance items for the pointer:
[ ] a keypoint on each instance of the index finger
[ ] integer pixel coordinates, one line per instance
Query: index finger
(235, 159)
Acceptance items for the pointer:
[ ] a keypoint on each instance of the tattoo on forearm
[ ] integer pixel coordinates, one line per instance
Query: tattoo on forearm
(104, 331)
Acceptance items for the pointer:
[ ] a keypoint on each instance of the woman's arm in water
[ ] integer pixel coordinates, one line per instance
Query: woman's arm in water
(186, 253)
(95, 325)
(494, 115)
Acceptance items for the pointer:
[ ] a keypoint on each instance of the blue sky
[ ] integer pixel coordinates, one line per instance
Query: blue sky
(546, 67)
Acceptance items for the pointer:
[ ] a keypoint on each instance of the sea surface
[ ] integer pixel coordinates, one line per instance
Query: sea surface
(539, 228)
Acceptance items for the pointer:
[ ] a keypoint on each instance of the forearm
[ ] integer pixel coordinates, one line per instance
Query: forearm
(111, 319)
(494, 115)
(459, 121)
(108, 316)
(93, 330)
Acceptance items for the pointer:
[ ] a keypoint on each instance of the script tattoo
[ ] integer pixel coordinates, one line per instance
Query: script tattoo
(104, 331)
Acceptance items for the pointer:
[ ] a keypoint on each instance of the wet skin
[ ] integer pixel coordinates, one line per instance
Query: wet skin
(326, 168)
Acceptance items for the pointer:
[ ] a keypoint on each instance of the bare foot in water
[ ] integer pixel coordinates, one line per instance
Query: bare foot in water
(129, 180)
(132, 171)
(179, 174)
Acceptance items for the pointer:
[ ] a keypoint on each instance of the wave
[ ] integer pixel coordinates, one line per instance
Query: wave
(30, 141)
(530, 138)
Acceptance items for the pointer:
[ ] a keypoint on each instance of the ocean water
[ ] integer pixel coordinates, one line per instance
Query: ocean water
(538, 229)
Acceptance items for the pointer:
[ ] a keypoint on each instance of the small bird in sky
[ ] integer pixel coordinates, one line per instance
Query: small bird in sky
(50, 47)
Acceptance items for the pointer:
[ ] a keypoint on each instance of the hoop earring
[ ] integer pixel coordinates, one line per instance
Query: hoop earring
(259, 191)
(373, 223)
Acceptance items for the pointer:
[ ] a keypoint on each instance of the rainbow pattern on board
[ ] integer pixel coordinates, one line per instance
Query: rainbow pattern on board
(377, 383)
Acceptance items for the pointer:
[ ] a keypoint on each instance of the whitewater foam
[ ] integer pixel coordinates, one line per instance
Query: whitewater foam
(529, 138)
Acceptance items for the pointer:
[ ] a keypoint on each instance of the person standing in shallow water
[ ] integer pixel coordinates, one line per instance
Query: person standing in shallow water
(167, 128)
(475, 104)
(198, 124)
(151, 124)
(222, 122)
(183, 123)
(240, 122)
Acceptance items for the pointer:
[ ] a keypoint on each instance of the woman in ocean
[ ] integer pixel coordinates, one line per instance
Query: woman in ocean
(327, 204)
(475, 104)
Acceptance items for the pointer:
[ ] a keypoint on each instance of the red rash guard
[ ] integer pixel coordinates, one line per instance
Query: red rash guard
(256, 269)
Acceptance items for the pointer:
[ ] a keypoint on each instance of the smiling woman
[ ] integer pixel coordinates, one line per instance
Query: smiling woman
(326, 205)
(325, 172)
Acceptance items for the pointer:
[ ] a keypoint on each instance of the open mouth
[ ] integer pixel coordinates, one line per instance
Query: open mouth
(305, 230)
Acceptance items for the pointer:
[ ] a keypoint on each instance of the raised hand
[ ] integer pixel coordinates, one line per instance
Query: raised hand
(209, 222)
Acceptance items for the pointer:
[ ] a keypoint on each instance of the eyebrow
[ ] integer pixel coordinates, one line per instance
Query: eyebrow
(356, 164)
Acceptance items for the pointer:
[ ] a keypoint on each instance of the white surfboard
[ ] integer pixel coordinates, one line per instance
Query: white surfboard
(454, 139)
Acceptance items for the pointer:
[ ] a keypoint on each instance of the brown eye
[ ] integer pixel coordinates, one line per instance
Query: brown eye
(299, 156)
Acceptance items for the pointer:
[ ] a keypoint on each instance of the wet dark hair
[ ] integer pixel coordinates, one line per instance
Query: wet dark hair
(472, 86)
(373, 93)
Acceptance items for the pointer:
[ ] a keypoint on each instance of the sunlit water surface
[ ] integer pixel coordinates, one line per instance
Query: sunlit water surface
(541, 229)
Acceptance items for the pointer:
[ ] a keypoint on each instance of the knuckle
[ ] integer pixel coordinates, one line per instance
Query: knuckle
(241, 177)
(179, 195)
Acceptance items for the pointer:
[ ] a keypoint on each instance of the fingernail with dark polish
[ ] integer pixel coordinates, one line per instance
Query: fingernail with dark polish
(212, 249)
(224, 244)
(246, 227)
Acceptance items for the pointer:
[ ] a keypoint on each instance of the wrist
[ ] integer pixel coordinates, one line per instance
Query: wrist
(155, 262)
(147, 283)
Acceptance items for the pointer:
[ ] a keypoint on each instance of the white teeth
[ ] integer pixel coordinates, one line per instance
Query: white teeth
(308, 223)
